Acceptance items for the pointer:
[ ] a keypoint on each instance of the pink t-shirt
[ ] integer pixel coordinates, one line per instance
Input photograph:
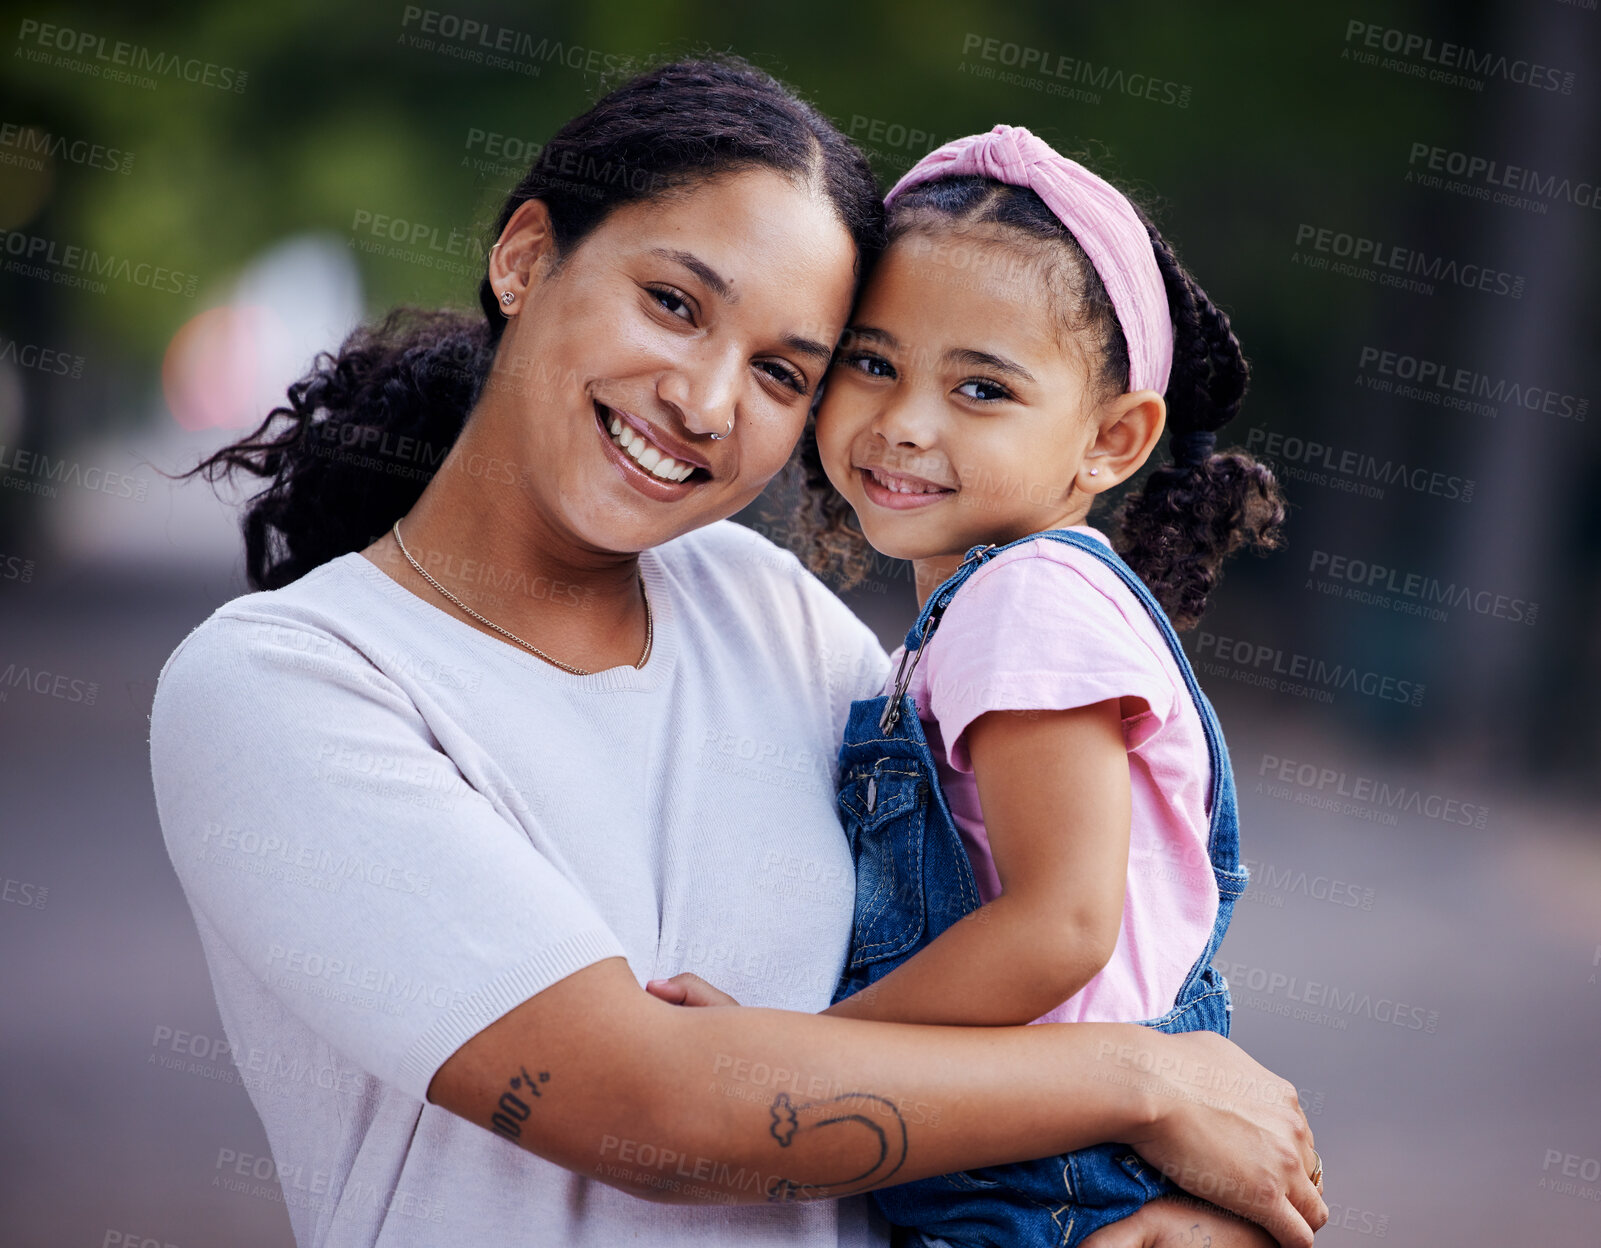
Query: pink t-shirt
(1044, 626)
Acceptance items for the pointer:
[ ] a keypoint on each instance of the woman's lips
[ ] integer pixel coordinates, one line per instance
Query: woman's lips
(664, 442)
(896, 500)
(647, 483)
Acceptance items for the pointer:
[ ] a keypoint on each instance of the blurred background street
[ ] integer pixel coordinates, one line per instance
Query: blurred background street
(1420, 950)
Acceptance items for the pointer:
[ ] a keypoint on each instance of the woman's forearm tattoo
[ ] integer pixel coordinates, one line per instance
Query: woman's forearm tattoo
(858, 1123)
(514, 1105)
(866, 1134)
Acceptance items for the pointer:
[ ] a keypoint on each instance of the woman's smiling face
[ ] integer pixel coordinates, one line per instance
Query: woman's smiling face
(953, 415)
(721, 301)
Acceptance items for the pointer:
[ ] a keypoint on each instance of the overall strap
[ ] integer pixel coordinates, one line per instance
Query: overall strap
(1217, 752)
(928, 619)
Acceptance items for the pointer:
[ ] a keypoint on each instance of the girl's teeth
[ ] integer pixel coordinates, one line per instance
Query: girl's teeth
(898, 486)
(646, 455)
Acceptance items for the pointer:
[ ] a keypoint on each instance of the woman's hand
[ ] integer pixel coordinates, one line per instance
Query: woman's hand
(1180, 1223)
(1226, 1129)
(687, 989)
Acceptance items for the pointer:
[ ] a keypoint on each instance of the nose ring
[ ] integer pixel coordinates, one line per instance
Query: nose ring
(718, 437)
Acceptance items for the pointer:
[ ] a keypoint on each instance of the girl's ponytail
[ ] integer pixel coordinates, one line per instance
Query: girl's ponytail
(1193, 513)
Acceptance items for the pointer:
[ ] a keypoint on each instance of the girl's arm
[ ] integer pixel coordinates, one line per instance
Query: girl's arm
(739, 1105)
(1054, 787)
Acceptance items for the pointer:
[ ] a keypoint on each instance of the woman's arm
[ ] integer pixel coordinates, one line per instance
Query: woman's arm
(738, 1105)
(1180, 1222)
(1054, 787)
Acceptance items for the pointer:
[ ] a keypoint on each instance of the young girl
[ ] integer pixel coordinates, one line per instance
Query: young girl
(1042, 765)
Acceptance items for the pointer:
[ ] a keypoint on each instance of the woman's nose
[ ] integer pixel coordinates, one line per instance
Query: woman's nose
(704, 388)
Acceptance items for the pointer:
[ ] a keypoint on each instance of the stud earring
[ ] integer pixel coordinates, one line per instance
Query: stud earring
(1094, 472)
(508, 298)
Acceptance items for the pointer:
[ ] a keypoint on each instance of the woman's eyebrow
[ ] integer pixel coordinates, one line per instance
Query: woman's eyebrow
(809, 346)
(719, 286)
(724, 289)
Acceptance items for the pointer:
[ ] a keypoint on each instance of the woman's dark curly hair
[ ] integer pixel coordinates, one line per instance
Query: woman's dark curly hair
(1191, 514)
(366, 428)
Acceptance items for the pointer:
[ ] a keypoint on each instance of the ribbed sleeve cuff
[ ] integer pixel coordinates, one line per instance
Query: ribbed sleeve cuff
(477, 1010)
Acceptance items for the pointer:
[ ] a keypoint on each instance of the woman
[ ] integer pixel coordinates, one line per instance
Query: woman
(494, 751)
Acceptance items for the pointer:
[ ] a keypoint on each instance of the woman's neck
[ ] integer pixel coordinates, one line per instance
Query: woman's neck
(488, 543)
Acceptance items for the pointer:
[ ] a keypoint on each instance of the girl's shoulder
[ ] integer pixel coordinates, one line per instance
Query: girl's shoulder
(1059, 598)
(1054, 567)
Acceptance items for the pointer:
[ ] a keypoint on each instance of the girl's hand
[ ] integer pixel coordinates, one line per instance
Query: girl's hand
(687, 989)
(1230, 1131)
(1169, 1223)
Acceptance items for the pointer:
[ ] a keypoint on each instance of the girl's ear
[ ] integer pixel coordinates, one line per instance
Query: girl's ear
(1129, 427)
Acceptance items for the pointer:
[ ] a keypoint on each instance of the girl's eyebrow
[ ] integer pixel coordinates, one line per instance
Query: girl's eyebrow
(956, 355)
(880, 336)
(984, 359)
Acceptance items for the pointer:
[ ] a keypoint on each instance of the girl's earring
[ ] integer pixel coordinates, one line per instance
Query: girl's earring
(1094, 472)
(508, 298)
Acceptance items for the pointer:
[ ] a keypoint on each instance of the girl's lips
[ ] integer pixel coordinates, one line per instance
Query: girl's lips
(895, 501)
(647, 483)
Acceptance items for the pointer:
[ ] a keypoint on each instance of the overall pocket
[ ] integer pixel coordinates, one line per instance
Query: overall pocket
(883, 808)
(1203, 1004)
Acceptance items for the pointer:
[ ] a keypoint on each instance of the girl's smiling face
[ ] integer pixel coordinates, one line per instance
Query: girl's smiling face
(954, 413)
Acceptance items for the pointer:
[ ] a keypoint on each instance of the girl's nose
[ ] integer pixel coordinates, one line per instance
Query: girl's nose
(906, 420)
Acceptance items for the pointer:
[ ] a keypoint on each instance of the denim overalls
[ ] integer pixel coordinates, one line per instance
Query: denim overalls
(914, 879)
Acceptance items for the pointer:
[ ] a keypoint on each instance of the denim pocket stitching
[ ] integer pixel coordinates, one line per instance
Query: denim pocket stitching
(867, 821)
(1179, 1011)
(906, 797)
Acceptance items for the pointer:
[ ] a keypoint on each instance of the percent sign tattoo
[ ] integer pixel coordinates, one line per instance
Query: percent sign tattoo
(508, 1119)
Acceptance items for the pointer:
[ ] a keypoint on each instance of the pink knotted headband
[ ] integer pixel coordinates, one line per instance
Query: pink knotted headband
(1100, 218)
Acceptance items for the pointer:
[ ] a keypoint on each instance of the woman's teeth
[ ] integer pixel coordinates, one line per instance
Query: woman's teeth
(648, 457)
(899, 485)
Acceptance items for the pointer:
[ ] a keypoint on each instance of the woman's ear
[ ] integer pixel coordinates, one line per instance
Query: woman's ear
(524, 255)
(1128, 428)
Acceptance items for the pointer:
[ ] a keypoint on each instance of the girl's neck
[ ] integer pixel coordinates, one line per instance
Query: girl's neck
(929, 573)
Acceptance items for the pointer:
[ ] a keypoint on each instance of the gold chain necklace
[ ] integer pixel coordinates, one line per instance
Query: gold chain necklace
(566, 667)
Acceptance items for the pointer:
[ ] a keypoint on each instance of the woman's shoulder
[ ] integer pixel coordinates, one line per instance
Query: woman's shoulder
(745, 564)
(753, 578)
(723, 539)
(308, 623)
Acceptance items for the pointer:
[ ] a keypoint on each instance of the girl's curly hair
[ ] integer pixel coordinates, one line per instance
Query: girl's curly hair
(1193, 512)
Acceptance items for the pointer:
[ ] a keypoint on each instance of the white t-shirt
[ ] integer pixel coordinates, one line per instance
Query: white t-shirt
(393, 829)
